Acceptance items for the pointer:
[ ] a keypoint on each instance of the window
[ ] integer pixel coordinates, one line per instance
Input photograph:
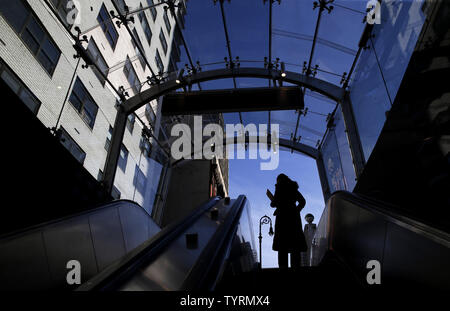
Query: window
(109, 138)
(29, 28)
(152, 9)
(167, 22)
(141, 58)
(131, 75)
(145, 146)
(19, 88)
(115, 193)
(150, 114)
(159, 62)
(83, 103)
(140, 180)
(72, 146)
(108, 27)
(130, 122)
(98, 59)
(121, 4)
(145, 26)
(123, 158)
(162, 38)
(100, 175)
(63, 11)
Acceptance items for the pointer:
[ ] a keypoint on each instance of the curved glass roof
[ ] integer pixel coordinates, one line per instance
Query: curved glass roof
(289, 31)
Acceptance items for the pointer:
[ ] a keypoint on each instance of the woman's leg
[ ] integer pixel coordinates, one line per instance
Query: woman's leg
(283, 259)
(296, 259)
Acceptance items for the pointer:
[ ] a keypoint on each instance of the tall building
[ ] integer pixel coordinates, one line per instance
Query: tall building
(77, 97)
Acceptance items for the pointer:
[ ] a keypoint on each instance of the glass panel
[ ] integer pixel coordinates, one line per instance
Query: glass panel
(90, 110)
(29, 100)
(332, 163)
(50, 50)
(344, 152)
(394, 43)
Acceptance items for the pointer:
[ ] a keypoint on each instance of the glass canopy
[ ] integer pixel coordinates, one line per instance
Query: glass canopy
(316, 38)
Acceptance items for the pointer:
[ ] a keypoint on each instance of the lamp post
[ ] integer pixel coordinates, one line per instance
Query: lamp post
(263, 220)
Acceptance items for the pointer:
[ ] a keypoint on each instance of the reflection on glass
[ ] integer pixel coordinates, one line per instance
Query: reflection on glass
(332, 163)
(344, 152)
(373, 91)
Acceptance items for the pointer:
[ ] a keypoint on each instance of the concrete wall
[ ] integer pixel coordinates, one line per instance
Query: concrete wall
(189, 187)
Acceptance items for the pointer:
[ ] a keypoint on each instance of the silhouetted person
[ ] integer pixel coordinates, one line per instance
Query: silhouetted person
(309, 231)
(289, 237)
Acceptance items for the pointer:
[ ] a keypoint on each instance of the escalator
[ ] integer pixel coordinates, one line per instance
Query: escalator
(353, 231)
(120, 248)
(188, 255)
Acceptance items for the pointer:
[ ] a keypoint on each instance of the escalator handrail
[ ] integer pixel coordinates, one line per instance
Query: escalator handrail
(391, 215)
(206, 270)
(72, 216)
(119, 271)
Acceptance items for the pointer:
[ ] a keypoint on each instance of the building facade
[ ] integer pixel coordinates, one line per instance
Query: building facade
(79, 102)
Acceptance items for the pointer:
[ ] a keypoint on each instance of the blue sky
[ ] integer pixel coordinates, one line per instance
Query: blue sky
(247, 178)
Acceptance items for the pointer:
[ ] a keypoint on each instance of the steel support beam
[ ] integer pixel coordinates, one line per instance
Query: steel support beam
(109, 172)
(328, 89)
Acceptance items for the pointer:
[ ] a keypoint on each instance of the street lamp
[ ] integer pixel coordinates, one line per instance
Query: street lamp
(263, 220)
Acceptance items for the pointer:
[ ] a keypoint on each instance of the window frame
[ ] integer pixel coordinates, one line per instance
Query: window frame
(106, 29)
(122, 164)
(100, 56)
(145, 26)
(81, 110)
(63, 132)
(153, 10)
(138, 86)
(162, 39)
(167, 22)
(158, 61)
(22, 86)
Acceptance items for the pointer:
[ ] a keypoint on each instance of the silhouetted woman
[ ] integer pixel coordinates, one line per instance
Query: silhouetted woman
(289, 237)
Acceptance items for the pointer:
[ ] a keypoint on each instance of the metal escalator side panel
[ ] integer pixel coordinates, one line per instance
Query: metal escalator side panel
(410, 253)
(37, 258)
(124, 269)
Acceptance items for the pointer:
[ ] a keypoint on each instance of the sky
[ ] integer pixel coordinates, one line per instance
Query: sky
(247, 178)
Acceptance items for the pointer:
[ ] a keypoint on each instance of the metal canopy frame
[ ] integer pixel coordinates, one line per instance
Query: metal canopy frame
(306, 81)
(323, 87)
(129, 106)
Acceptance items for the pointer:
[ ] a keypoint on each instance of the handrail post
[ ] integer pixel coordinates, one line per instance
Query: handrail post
(263, 220)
